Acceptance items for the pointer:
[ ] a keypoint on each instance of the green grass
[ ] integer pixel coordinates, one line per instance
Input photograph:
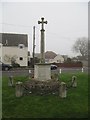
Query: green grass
(49, 106)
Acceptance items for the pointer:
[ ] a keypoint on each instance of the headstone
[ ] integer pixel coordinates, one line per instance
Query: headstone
(11, 81)
(19, 89)
(74, 81)
(62, 90)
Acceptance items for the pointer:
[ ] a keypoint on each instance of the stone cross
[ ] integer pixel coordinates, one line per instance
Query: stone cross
(42, 40)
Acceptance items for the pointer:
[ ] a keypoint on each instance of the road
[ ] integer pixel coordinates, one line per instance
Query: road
(25, 72)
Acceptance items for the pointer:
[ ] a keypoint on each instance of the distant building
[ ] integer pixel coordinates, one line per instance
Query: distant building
(58, 59)
(65, 57)
(85, 63)
(37, 55)
(0, 51)
(14, 46)
(29, 56)
(49, 56)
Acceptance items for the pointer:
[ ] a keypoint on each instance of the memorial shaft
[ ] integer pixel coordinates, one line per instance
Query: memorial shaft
(42, 48)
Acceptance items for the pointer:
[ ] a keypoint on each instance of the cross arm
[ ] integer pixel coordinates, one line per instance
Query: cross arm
(45, 22)
(39, 22)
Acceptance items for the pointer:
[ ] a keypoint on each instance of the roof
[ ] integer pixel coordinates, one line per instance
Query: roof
(59, 57)
(9, 39)
(50, 55)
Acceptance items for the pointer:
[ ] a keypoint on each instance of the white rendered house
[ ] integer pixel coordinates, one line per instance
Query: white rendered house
(58, 59)
(14, 46)
(0, 51)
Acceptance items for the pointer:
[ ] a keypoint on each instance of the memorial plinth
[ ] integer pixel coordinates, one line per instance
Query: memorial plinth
(42, 72)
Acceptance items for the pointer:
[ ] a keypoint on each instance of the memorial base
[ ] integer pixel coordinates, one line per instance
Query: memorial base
(42, 72)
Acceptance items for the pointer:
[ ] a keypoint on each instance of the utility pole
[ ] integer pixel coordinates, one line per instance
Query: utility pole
(33, 45)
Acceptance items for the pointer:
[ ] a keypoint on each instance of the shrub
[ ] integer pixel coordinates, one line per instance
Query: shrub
(15, 65)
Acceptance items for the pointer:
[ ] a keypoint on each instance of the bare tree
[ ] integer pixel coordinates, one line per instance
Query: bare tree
(7, 58)
(11, 59)
(81, 46)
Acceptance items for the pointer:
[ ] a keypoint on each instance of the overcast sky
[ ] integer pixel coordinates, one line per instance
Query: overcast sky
(67, 21)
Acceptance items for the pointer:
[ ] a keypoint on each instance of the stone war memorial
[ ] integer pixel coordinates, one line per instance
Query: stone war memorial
(42, 83)
(42, 70)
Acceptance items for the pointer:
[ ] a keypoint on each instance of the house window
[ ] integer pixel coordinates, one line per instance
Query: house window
(21, 46)
(21, 58)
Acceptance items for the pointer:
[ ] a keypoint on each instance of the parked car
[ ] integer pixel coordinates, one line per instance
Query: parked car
(5, 67)
(53, 67)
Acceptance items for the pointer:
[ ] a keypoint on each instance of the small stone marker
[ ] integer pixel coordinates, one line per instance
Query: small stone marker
(82, 70)
(74, 81)
(29, 74)
(60, 71)
(11, 81)
(29, 71)
(19, 89)
(62, 90)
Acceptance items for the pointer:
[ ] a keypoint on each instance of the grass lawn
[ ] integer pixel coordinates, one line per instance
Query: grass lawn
(49, 106)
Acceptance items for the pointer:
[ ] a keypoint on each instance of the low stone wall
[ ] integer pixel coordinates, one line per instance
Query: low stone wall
(41, 87)
(52, 86)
